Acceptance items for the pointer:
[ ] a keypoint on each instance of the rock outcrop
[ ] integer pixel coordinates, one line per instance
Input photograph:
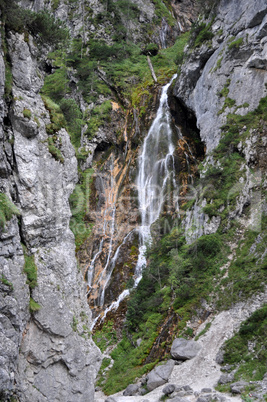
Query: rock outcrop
(232, 59)
(46, 354)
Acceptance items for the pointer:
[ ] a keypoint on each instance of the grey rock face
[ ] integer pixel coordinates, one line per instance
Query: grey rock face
(207, 69)
(183, 349)
(46, 355)
(159, 375)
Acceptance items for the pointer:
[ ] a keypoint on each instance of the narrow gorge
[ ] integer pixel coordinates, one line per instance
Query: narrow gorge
(133, 200)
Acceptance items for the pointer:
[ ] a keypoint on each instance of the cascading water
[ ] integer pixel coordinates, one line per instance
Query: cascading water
(155, 178)
(156, 170)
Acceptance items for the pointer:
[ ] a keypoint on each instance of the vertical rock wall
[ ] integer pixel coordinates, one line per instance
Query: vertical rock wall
(47, 355)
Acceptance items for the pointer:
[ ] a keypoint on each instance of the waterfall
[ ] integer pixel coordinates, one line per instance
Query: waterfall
(163, 33)
(156, 168)
(155, 177)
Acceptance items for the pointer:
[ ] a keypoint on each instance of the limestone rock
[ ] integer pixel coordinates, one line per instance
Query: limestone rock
(131, 390)
(238, 387)
(169, 389)
(183, 349)
(159, 375)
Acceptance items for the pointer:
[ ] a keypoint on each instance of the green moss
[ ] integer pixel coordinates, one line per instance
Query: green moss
(7, 210)
(74, 324)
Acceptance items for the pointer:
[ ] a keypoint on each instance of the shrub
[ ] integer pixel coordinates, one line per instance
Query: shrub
(202, 33)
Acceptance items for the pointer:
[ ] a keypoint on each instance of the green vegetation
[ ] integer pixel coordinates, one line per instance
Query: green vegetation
(30, 269)
(207, 327)
(163, 9)
(42, 25)
(74, 323)
(6, 282)
(27, 113)
(105, 363)
(33, 306)
(106, 336)
(7, 210)
(98, 116)
(53, 148)
(235, 44)
(249, 361)
(201, 33)
(178, 276)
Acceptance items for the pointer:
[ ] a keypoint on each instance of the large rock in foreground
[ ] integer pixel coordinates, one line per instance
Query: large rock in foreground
(183, 349)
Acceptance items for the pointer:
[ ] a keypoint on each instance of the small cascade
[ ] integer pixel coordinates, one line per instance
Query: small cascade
(164, 29)
(108, 230)
(115, 304)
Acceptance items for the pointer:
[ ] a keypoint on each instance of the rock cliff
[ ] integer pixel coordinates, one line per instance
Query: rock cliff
(46, 349)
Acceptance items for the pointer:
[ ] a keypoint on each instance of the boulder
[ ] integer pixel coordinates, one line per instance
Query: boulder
(131, 390)
(183, 349)
(238, 387)
(169, 389)
(226, 378)
(159, 375)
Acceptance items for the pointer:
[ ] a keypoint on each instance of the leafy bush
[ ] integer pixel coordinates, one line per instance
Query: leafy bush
(7, 210)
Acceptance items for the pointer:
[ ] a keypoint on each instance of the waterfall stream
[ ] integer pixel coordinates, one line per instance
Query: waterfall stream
(156, 172)
(155, 179)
